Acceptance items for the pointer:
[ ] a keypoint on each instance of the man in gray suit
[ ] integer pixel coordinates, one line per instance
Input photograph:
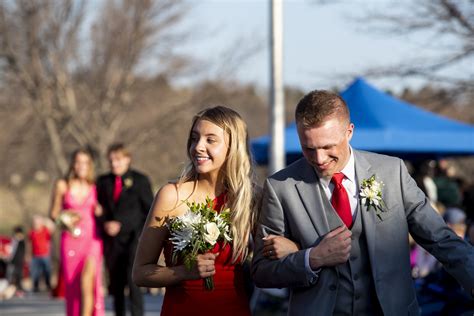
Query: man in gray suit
(350, 212)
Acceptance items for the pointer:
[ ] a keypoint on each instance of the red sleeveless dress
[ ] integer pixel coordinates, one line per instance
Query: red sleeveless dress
(227, 298)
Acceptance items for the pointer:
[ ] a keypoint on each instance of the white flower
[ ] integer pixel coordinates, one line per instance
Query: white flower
(128, 182)
(376, 186)
(189, 218)
(227, 236)
(212, 233)
(223, 226)
(371, 194)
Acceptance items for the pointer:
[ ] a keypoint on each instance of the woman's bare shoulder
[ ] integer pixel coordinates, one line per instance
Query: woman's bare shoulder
(172, 196)
(167, 196)
(60, 186)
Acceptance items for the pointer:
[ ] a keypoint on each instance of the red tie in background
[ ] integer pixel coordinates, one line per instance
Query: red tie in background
(340, 199)
(117, 188)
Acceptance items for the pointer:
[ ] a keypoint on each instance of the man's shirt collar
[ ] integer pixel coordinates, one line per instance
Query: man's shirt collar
(348, 170)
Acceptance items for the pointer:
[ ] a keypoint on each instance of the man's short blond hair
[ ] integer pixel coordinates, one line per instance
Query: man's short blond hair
(119, 147)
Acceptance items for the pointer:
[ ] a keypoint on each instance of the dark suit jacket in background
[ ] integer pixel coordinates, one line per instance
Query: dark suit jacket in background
(131, 208)
(131, 211)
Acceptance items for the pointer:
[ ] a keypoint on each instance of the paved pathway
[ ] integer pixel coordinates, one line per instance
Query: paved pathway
(42, 305)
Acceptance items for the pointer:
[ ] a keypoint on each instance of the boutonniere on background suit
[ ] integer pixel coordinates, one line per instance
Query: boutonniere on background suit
(127, 183)
(371, 194)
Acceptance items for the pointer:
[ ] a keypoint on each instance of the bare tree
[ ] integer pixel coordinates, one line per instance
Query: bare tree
(82, 91)
(447, 27)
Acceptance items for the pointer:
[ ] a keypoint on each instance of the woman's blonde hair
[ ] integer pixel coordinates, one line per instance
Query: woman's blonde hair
(237, 174)
(71, 174)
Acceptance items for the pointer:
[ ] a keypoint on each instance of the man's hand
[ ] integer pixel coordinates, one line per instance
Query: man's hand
(112, 228)
(334, 249)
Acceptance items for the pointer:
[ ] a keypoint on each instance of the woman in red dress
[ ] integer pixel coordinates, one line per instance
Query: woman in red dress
(220, 168)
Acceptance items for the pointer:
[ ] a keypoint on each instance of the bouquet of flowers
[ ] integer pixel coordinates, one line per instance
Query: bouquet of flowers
(67, 220)
(197, 231)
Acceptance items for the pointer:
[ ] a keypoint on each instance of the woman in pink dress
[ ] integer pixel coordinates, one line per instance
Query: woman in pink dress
(74, 207)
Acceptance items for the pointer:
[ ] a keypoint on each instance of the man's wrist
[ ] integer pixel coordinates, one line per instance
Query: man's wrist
(313, 275)
(314, 262)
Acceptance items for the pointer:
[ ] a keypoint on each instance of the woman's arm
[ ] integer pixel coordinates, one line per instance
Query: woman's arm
(60, 188)
(146, 272)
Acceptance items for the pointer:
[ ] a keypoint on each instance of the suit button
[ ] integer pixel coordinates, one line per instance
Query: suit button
(353, 258)
(357, 296)
(332, 287)
(356, 277)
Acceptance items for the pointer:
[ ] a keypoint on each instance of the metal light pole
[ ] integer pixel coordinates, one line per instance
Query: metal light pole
(277, 95)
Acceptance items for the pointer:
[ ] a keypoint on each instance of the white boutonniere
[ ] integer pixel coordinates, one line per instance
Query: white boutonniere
(371, 195)
(127, 183)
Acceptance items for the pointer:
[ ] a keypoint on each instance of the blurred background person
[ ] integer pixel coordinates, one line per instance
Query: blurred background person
(126, 196)
(467, 191)
(448, 190)
(423, 175)
(470, 233)
(456, 220)
(440, 293)
(423, 263)
(40, 239)
(74, 207)
(17, 260)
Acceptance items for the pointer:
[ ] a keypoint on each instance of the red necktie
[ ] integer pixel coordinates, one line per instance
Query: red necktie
(340, 199)
(117, 188)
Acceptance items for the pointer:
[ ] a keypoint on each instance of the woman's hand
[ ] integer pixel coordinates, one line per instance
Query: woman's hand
(277, 247)
(205, 266)
(98, 211)
(112, 228)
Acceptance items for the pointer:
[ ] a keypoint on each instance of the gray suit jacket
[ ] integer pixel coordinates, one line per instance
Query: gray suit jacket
(293, 207)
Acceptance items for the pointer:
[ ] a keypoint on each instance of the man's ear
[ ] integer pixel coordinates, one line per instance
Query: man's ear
(350, 131)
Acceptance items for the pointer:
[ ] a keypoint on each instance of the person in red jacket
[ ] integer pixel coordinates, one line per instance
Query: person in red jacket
(40, 238)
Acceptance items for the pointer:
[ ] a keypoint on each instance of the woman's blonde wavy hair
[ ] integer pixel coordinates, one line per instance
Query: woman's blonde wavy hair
(71, 174)
(237, 174)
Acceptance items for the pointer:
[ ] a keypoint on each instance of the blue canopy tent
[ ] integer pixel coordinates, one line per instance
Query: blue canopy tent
(385, 124)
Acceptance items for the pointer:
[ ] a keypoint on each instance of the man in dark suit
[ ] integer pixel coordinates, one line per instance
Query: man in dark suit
(126, 197)
(350, 212)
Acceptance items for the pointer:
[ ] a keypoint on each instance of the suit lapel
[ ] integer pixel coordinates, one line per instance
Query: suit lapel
(364, 171)
(312, 198)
